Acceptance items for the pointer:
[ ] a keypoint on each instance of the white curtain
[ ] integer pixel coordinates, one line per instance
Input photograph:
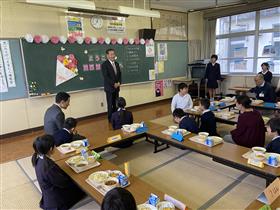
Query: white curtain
(209, 38)
(194, 50)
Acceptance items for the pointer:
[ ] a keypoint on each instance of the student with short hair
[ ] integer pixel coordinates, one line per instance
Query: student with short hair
(250, 130)
(208, 120)
(66, 134)
(267, 75)
(58, 190)
(121, 116)
(263, 90)
(118, 199)
(54, 116)
(182, 99)
(212, 75)
(184, 121)
(273, 129)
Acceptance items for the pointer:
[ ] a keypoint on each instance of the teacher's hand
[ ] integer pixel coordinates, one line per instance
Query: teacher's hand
(116, 85)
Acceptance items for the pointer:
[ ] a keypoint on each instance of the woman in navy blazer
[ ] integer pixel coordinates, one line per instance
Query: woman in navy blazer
(122, 116)
(58, 190)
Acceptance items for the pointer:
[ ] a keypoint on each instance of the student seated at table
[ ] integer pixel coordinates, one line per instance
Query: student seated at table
(184, 121)
(182, 99)
(208, 120)
(122, 116)
(58, 190)
(68, 133)
(273, 129)
(267, 75)
(250, 130)
(263, 90)
(118, 199)
(54, 116)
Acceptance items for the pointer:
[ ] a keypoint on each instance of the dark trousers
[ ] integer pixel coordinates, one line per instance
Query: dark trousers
(111, 102)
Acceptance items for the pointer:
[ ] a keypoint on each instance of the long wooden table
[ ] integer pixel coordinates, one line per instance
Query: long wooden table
(227, 154)
(263, 106)
(98, 141)
(240, 90)
(139, 189)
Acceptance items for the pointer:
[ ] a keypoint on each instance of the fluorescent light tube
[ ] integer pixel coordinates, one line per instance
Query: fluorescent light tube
(79, 4)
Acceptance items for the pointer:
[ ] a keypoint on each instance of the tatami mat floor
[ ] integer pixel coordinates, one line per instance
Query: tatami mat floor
(190, 177)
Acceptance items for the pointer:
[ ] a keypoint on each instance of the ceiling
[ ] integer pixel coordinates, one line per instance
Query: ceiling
(189, 5)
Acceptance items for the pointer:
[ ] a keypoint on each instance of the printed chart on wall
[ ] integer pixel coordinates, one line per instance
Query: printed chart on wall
(12, 82)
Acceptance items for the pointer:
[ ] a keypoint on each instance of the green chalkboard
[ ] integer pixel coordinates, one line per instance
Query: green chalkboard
(177, 59)
(19, 91)
(41, 62)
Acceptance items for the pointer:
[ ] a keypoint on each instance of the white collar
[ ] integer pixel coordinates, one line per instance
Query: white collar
(57, 105)
(183, 95)
(66, 130)
(182, 118)
(207, 110)
(262, 84)
(119, 109)
(41, 156)
(112, 62)
(275, 138)
(265, 72)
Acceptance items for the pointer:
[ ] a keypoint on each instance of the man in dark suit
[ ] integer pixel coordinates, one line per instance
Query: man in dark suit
(263, 90)
(112, 81)
(54, 117)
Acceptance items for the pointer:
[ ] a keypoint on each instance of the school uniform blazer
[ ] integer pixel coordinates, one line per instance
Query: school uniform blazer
(188, 124)
(208, 123)
(58, 190)
(274, 146)
(62, 137)
(110, 78)
(53, 120)
(265, 93)
(116, 119)
(267, 76)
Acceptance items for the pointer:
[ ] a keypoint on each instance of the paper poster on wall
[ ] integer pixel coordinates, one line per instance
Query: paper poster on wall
(75, 26)
(3, 82)
(8, 64)
(167, 83)
(152, 75)
(158, 88)
(150, 50)
(66, 68)
(160, 66)
(162, 51)
(116, 25)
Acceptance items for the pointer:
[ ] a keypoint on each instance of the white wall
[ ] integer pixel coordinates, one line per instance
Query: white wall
(17, 19)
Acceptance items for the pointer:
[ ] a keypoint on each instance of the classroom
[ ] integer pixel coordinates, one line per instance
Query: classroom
(139, 104)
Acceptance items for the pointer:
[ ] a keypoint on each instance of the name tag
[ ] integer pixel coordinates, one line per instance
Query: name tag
(261, 95)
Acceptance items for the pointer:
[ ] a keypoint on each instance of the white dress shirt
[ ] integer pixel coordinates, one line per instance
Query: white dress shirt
(182, 102)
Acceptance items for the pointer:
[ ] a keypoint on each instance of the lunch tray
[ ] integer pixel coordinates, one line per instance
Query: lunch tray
(166, 132)
(85, 168)
(196, 139)
(248, 154)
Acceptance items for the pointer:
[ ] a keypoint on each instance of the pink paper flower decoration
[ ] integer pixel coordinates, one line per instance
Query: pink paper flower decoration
(71, 56)
(136, 41)
(71, 39)
(37, 39)
(101, 40)
(54, 39)
(60, 58)
(87, 40)
(147, 41)
(113, 41)
(125, 41)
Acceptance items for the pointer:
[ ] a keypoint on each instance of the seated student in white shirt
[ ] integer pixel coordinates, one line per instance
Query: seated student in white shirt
(182, 99)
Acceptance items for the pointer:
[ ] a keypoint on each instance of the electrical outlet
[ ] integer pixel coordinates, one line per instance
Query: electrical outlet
(102, 104)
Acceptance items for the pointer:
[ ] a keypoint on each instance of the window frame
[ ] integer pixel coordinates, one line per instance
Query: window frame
(254, 33)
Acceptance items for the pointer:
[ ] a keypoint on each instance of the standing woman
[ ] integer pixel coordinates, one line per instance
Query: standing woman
(267, 75)
(58, 191)
(212, 75)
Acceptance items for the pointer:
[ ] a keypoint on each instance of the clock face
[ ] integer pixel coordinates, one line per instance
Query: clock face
(96, 22)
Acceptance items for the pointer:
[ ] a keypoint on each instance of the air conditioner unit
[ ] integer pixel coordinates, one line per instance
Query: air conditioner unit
(77, 4)
(139, 12)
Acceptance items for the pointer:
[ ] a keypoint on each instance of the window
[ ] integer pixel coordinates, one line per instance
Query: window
(244, 41)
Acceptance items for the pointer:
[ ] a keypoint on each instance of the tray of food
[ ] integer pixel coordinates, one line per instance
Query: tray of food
(225, 115)
(104, 181)
(205, 139)
(163, 205)
(173, 129)
(131, 128)
(79, 163)
(73, 146)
